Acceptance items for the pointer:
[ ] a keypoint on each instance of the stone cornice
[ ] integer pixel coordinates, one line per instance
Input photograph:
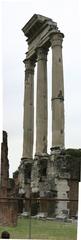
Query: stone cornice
(36, 25)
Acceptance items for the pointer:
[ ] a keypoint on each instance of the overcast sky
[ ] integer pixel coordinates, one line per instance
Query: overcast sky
(15, 14)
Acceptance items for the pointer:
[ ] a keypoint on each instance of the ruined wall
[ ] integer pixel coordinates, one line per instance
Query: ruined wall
(55, 176)
(66, 174)
(4, 165)
(8, 205)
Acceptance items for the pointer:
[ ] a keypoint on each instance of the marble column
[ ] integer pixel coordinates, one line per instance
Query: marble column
(41, 102)
(28, 121)
(57, 91)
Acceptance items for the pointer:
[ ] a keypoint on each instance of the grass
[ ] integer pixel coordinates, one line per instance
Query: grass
(42, 229)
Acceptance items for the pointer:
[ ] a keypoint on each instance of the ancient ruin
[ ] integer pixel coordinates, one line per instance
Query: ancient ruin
(48, 181)
(54, 175)
(42, 33)
(8, 205)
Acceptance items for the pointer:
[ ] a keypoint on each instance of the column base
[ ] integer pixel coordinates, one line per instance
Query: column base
(26, 160)
(44, 155)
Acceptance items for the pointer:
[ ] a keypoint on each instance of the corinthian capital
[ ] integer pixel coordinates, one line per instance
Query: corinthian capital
(29, 65)
(57, 39)
(42, 53)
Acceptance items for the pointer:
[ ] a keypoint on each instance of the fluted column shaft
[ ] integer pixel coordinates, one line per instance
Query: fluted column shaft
(28, 121)
(41, 103)
(57, 91)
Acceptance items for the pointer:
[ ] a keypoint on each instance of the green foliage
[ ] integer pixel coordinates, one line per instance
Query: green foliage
(74, 153)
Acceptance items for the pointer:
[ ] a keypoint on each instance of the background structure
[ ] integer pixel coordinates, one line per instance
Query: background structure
(14, 15)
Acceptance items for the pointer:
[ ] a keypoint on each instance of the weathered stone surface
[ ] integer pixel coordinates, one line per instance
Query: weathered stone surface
(8, 205)
(28, 121)
(38, 31)
(41, 103)
(57, 91)
(43, 33)
(55, 175)
(4, 165)
(8, 212)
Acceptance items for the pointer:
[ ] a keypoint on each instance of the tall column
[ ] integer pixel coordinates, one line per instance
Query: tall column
(41, 103)
(57, 91)
(28, 121)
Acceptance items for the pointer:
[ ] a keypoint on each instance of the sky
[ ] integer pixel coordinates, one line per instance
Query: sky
(14, 15)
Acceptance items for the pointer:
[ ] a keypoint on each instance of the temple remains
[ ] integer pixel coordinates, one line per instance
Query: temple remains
(54, 175)
(50, 180)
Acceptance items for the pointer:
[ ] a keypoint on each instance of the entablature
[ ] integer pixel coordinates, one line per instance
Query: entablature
(38, 31)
